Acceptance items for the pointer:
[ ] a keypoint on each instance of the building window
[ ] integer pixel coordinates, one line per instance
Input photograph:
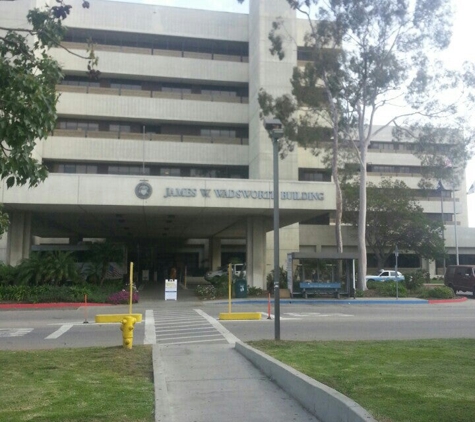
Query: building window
(218, 133)
(128, 170)
(170, 171)
(314, 175)
(176, 89)
(119, 127)
(304, 54)
(158, 42)
(126, 85)
(77, 125)
(225, 172)
(74, 168)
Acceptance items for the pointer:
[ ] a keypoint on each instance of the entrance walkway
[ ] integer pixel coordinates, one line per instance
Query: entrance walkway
(214, 383)
(207, 381)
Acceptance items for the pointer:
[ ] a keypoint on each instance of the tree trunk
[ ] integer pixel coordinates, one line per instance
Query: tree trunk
(362, 262)
(339, 199)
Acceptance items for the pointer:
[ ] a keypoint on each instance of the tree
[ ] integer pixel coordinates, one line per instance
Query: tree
(394, 218)
(53, 268)
(365, 55)
(101, 254)
(28, 78)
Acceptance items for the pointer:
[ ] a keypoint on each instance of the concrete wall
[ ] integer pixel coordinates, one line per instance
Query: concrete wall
(164, 20)
(170, 110)
(147, 66)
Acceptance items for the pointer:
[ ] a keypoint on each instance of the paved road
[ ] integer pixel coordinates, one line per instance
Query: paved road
(195, 323)
(354, 322)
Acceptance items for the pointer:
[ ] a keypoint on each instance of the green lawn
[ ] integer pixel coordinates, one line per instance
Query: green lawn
(77, 385)
(397, 381)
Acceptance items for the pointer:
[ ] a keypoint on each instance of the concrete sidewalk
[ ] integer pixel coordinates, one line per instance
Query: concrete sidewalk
(217, 382)
(214, 383)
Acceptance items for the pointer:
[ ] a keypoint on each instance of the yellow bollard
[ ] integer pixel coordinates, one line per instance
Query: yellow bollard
(128, 331)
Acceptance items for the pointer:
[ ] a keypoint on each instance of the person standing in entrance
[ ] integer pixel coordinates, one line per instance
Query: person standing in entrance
(173, 272)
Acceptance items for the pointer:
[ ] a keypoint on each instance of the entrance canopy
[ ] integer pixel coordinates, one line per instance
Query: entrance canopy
(108, 206)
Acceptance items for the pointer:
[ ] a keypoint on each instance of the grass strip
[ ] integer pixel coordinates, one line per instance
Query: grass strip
(76, 385)
(397, 381)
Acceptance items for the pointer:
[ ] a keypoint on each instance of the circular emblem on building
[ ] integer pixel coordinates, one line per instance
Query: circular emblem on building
(143, 190)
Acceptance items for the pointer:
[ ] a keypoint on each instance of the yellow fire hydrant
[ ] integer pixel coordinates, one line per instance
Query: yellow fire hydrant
(128, 331)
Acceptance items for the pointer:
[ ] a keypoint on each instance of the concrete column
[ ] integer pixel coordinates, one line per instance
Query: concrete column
(272, 74)
(429, 266)
(19, 237)
(289, 242)
(256, 252)
(214, 253)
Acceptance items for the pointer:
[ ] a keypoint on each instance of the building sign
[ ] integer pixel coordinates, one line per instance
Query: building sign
(143, 190)
(241, 194)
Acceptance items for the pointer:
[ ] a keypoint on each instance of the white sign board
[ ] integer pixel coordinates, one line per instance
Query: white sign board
(171, 287)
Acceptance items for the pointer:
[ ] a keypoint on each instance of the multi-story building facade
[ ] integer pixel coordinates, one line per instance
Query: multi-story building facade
(166, 152)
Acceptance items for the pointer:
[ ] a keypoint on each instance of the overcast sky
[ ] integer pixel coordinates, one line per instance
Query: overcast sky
(461, 47)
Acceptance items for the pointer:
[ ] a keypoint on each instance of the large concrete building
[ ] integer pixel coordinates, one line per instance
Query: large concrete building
(167, 153)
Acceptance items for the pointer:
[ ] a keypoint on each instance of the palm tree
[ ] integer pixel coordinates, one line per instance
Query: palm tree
(102, 254)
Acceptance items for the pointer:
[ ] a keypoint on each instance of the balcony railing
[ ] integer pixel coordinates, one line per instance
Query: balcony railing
(152, 94)
(158, 52)
(100, 134)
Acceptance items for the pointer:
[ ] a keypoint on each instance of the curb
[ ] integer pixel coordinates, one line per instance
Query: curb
(49, 305)
(436, 301)
(343, 301)
(325, 403)
(328, 301)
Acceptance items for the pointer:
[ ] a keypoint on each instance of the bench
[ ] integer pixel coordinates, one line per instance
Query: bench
(307, 288)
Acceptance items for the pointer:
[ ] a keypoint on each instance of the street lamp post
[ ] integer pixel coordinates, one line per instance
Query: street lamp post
(274, 127)
(440, 188)
(455, 229)
(396, 254)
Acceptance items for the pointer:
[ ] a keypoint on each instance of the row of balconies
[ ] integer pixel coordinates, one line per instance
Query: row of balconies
(158, 52)
(80, 133)
(151, 94)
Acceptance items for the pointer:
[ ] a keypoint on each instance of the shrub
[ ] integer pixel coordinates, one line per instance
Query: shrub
(415, 279)
(371, 285)
(49, 268)
(8, 274)
(282, 280)
(220, 281)
(442, 292)
(388, 289)
(122, 298)
(14, 293)
(49, 294)
(206, 292)
(254, 291)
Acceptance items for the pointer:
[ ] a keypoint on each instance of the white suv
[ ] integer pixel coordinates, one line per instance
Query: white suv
(386, 275)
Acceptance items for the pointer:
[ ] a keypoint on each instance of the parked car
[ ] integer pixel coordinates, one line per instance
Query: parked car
(239, 271)
(386, 275)
(460, 277)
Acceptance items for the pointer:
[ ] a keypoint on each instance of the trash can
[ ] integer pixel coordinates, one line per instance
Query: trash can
(240, 288)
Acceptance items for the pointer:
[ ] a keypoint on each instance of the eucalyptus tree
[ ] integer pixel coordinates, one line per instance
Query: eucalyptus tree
(368, 61)
(394, 217)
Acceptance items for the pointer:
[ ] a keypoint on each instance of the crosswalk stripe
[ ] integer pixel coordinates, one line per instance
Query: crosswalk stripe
(176, 328)
(14, 332)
